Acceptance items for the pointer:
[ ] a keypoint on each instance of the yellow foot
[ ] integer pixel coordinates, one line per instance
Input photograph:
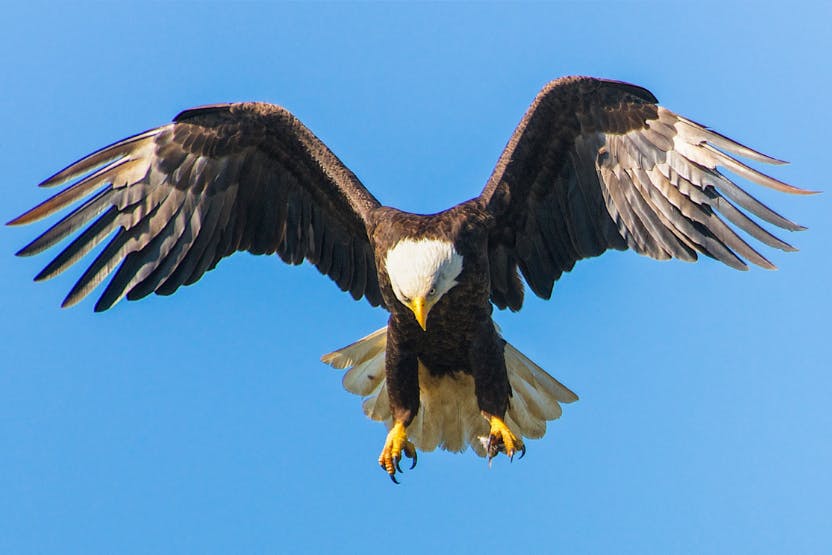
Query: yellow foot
(394, 446)
(501, 439)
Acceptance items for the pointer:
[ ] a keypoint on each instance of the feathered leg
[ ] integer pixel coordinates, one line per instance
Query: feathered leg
(402, 369)
(493, 392)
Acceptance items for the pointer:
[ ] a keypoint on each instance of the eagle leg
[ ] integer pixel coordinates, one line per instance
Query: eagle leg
(501, 439)
(396, 444)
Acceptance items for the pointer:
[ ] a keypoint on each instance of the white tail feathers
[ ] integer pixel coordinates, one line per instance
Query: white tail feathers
(449, 416)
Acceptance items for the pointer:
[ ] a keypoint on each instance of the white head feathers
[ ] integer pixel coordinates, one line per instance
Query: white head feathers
(423, 268)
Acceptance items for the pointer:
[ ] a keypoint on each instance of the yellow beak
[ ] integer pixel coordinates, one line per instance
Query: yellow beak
(420, 310)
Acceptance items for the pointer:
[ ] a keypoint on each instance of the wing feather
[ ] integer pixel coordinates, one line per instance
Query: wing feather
(218, 179)
(81, 245)
(148, 256)
(597, 165)
(72, 222)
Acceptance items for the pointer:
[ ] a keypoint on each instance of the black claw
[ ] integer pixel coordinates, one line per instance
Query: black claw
(393, 477)
(398, 468)
(522, 452)
(491, 449)
(414, 457)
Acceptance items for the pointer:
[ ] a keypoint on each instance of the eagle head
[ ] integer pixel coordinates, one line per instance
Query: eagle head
(421, 271)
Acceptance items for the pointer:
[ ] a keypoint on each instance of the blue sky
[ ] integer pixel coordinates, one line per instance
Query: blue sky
(204, 423)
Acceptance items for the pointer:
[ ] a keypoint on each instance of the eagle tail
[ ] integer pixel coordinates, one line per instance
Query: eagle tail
(449, 416)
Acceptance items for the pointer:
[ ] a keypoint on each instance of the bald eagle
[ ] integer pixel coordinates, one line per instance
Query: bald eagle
(593, 165)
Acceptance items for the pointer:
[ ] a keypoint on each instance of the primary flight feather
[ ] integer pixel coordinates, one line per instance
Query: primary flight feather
(593, 165)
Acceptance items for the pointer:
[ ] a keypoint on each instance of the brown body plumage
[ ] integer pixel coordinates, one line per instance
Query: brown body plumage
(593, 165)
(460, 336)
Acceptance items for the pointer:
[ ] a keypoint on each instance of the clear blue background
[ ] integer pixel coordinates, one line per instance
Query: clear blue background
(204, 423)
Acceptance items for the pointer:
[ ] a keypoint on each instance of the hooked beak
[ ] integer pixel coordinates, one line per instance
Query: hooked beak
(420, 309)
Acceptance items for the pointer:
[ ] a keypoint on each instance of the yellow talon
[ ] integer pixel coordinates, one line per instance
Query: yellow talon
(501, 439)
(396, 444)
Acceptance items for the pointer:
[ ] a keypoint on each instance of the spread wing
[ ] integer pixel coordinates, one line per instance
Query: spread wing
(219, 179)
(597, 165)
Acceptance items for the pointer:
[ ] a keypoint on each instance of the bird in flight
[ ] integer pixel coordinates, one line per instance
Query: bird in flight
(593, 165)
